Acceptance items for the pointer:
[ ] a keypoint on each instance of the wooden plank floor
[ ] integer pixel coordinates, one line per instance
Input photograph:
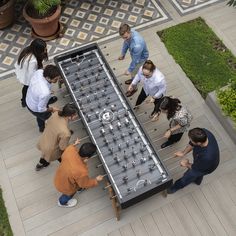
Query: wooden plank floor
(31, 200)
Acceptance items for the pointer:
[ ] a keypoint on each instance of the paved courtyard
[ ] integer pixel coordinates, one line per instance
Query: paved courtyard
(209, 209)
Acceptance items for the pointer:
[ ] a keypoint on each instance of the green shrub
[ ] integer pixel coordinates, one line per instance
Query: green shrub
(227, 100)
(5, 228)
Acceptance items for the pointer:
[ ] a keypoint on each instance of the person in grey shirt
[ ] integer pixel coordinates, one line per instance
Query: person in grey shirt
(39, 93)
(154, 85)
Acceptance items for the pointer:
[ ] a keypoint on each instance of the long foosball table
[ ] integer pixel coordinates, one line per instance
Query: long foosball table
(130, 161)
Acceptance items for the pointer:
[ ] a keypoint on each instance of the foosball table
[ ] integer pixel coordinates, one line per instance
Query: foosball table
(127, 155)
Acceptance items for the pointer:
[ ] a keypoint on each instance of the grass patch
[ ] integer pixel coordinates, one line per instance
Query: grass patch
(200, 53)
(5, 228)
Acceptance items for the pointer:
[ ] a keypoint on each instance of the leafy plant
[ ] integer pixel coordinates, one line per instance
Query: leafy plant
(227, 100)
(43, 7)
(5, 228)
(232, 3)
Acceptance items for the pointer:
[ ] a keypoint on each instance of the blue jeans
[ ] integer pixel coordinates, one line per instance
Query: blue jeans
(189, 177)
(63, 199)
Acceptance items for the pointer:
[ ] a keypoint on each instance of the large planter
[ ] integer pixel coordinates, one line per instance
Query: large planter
(7, 14)
(47, 28)
(225, 121)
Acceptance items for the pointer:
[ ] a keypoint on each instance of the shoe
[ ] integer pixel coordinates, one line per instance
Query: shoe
(198, 182)
(71, 203)
(130, 93)
(128, 81)
(23, 104)
(41, 129)
(39, 167)
(52, 100)
(166, 144)
(81, 190)
(171, 190)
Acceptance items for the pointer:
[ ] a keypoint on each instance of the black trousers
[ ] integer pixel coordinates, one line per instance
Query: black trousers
(142, 96)
(174, 138)
(41, 117)
(24, 92)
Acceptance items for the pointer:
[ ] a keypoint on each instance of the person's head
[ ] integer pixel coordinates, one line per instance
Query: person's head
(125, 31)
(38, 48)
(51, 73)
(87, 150)
(197, 136)
(69, 111)
(170, 106)
(148, 69)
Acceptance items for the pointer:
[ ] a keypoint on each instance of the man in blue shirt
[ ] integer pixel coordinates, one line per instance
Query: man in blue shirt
(206, 158)
(137, 47)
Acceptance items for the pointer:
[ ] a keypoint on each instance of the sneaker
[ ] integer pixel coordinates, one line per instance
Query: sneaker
(23, 104)
(39, 167)
(166, 144)
(52, 100)
(171, 190)
(71, 203)
(41, 129)
(81, 190)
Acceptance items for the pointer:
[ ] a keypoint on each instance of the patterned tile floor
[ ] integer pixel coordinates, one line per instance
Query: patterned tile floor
(84, 21)
(187, 6)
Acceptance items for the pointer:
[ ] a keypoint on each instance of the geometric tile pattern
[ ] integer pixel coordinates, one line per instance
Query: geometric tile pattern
(187, 6)
(83, 21)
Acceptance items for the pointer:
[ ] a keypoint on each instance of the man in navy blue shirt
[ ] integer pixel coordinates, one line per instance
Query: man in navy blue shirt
(206, 158)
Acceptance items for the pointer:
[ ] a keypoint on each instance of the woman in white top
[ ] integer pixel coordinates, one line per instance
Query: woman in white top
(154, 85)
(30, 60)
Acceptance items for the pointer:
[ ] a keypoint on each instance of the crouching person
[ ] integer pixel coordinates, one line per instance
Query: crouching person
(72, 174)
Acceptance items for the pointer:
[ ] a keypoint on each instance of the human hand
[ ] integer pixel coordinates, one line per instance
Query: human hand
(77, 141)
(130, 88)
(53, 109)
(167, 134)
(121, 57)
(184, 162)
(151, 100)
(127, 73)
(99, 178)
(179, 154)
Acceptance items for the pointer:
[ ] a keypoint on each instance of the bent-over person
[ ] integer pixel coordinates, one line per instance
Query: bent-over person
(56, 135)
(72, 174)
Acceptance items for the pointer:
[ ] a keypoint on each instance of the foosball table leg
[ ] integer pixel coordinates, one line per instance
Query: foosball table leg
(115, 204)
(164, 193)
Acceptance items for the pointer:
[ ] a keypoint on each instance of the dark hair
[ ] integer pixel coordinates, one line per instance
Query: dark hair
(36, 48)
(171, 105)
(197, 135)
(68, 110)
(87, 150)
(123, 29)
(148, 65)
(51, 71)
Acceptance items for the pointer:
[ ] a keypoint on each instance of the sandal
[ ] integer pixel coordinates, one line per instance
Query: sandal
(130, 93)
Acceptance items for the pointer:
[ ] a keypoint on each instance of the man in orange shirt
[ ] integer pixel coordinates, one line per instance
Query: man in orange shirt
(72, 174)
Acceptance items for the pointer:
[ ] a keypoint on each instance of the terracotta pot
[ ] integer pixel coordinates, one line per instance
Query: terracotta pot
(7, 14)
(45, 27)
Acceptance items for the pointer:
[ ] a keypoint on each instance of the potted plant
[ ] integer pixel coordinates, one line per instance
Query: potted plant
(43, 15)
(6, 13)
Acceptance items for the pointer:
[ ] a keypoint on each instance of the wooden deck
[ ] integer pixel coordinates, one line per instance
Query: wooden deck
(31, 200)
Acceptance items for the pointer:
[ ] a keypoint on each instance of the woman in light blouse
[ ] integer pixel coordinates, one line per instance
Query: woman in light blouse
(31, 59)
(154, 85)
(179, 118)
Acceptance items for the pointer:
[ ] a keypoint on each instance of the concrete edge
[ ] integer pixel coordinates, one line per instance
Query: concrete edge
(225, 121)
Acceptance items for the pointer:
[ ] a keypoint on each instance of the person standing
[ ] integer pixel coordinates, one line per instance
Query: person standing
(72, 174)
(154, 85)
(39, 93)
(31, 59)
(179, 117)
(56, 135)
(206, 158)
(137, 48)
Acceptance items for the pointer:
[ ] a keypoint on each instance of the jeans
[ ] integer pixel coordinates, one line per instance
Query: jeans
(63, 199)
(142, 96)
(189, 177)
